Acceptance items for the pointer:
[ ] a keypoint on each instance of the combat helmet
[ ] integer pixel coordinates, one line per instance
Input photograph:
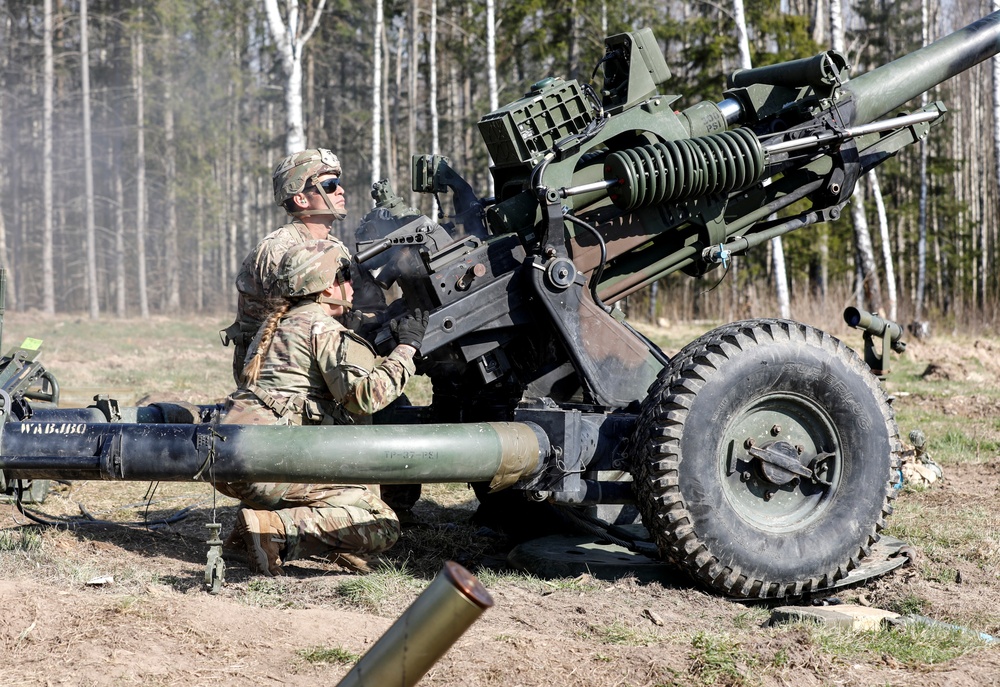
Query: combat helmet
(301, 169)
(311, 267)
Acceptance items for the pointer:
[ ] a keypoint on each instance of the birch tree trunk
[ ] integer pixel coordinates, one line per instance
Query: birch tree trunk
(491, 69)
(48, 95)
(6, 268)
(868, 273)
(140, 173)
(411, 88)
(883, 224)
(918, 307)
(199, 273)
(290, 41)
(119, 256)
(90, 230)
(11, 295)
(996, 127)
(777, 247)
(376, 93)
(432, 80)
(388, 143)
(173, 299)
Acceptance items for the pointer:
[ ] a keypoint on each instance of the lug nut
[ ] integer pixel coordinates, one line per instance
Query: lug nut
(776, 430)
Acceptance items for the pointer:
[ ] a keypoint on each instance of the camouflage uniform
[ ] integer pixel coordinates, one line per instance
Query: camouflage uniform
(255, 284)
(318, 372)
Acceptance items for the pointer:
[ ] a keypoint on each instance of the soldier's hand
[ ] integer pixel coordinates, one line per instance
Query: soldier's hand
(410, 330)
(354, 320)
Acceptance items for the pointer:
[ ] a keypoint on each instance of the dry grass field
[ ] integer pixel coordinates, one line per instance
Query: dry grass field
(123, 603)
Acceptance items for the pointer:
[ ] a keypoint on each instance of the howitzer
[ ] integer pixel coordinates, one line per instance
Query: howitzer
(761, 457)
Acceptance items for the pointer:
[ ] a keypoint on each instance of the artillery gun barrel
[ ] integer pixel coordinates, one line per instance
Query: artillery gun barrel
(888, 87)
(499, 452)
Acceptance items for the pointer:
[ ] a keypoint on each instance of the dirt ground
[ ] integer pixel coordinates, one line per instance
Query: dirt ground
(126, 605)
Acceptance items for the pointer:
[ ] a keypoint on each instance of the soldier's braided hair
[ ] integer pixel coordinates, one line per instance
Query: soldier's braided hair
(251, 371)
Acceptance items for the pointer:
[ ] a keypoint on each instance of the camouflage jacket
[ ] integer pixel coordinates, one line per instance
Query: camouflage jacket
(316, 369)
(254, 285)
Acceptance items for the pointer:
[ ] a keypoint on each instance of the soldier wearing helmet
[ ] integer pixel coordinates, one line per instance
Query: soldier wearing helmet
(305, 367)
(308, 186)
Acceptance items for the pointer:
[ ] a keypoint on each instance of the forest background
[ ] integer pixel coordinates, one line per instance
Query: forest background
(137, 139)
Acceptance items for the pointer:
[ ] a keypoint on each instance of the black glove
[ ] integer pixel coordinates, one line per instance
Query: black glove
(410, 330)
(354, 320)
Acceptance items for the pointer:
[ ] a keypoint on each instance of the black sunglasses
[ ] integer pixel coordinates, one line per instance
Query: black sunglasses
(329, 185)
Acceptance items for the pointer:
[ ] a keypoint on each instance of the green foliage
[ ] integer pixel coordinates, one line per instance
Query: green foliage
(717, 659)
(914, 645)
(956, 445)
(372, 590)
(911, 603)
(752, 617)
(329, 655)
(26, 539)
(778, 36)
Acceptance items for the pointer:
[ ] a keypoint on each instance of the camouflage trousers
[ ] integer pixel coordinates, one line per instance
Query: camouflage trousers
(321, 519)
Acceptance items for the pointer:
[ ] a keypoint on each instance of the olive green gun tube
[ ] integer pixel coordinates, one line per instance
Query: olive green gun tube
(425, 631)
(498, 452)
(888, 87)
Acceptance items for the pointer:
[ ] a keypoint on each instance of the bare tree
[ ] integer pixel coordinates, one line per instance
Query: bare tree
(376, 92)
(883, 224)
(432, 79)
(290, 41)
(491, 65)
(10, 296)
(90, 229)
(867, 273)
(138, 77)
(119, 250)
(173, 268)
(996, 133)
(411, 86)
(5, 265)
(48, 95)
(918, 306)
(777, 247)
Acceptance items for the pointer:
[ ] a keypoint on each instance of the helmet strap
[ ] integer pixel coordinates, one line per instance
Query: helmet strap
(337, 214)
(342, 301)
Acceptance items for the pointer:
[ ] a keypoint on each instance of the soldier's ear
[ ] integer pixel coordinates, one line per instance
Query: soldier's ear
(301, 201)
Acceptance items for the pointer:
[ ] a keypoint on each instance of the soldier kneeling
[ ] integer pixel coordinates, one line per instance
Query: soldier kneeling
(305, 367)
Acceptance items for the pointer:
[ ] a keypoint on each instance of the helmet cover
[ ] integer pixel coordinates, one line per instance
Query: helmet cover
(298, 170)
(311, 267)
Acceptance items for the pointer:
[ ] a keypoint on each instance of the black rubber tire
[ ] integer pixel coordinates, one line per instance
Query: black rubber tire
(713, 511)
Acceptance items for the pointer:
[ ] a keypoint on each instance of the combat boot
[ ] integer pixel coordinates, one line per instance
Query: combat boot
(264, 536)
(234, 548)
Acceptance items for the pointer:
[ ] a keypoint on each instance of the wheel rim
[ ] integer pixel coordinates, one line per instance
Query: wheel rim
(789, 429)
